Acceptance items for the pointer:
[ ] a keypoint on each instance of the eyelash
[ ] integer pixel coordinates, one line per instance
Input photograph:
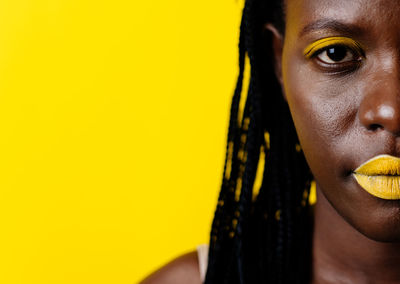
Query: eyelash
(321, 47)
(337, 67)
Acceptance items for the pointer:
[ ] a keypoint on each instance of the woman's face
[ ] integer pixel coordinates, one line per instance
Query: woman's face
(341, 78)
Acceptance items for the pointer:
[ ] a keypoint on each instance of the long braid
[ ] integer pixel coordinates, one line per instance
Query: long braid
(251, 149)
(226, 194)
(262, 240)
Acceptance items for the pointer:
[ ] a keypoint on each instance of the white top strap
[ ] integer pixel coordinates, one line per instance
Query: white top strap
(202, 254)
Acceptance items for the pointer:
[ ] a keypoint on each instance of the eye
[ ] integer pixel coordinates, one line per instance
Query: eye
(337, 54)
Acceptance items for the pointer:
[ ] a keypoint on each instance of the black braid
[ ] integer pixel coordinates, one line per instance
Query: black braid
(264, 239)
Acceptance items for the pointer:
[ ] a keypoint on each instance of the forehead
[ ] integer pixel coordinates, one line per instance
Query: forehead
(368, 14)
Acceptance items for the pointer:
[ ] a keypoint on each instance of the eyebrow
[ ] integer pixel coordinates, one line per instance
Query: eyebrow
(334, 25)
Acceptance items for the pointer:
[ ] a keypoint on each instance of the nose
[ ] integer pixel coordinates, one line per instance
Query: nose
(380, 107)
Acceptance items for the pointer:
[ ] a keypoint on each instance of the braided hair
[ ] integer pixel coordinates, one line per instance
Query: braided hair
(261, 235)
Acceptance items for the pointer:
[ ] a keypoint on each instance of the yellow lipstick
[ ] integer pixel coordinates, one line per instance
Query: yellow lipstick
(380, 176)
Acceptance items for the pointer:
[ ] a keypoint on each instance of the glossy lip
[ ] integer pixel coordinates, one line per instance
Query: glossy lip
(380, 176)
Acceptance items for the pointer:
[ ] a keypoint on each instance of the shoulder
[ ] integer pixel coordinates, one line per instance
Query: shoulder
(182, 270)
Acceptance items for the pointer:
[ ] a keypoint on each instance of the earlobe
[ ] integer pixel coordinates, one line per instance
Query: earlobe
(277, 48)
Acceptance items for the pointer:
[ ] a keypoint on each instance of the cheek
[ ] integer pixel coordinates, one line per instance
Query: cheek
(324, 110)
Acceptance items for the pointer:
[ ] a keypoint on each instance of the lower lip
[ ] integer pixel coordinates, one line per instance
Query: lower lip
(381, 186)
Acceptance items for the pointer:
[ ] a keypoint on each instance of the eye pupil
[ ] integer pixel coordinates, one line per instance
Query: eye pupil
(337, 53)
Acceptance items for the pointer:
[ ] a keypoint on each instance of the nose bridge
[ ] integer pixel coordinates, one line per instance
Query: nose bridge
(380, 108)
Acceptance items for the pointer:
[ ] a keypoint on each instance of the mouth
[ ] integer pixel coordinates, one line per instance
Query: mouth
(380, 177)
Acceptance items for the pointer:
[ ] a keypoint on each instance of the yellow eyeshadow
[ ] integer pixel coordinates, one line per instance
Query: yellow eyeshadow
(325, 42)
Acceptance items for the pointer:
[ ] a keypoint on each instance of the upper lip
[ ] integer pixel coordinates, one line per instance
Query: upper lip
(380, 165)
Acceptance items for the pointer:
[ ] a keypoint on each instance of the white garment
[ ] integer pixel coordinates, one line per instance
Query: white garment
(202, 254)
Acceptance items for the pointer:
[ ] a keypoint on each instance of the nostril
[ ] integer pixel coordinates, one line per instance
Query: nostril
(375, 126)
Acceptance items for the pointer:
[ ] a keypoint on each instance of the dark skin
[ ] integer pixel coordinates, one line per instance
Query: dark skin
(345, 111)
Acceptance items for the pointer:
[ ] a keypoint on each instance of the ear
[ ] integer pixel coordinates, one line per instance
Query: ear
(277, 49)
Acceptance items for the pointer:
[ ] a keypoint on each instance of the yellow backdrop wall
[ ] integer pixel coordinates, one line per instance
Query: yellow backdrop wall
(113, 118)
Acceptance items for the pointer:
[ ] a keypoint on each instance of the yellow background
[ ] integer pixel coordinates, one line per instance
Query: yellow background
(113, 118)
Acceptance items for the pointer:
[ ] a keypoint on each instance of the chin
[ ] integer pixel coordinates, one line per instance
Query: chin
(383, 236)
(383, 226)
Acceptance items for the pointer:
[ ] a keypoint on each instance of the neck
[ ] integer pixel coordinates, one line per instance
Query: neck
(341, 254)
